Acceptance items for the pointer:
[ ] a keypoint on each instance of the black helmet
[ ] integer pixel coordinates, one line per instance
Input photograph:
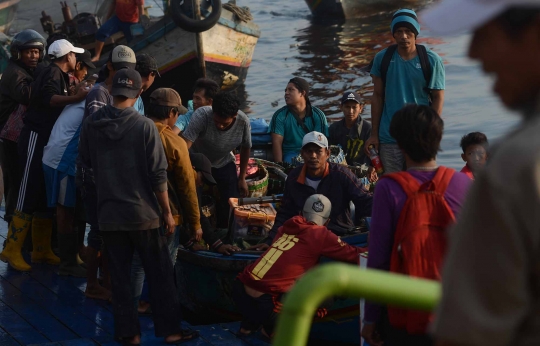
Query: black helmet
(26, 39)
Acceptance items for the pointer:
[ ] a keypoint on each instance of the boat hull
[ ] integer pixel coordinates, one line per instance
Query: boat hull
(8, 8)
(357, 8)
(205, 281)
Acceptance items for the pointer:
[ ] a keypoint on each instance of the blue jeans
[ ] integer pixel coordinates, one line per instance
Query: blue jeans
(137, 270)
(391, 157)
(111, 27)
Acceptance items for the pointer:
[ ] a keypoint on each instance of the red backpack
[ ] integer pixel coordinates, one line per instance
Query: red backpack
(420, 239)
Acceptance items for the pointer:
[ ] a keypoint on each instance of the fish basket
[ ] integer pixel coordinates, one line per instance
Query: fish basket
(258, 183)
(209, 209)
(336, 156)
(252, 222)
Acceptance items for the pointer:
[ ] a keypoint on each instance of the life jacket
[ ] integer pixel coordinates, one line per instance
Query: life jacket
(420, 239)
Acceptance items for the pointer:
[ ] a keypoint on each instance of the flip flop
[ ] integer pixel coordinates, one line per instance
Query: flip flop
(187, 335)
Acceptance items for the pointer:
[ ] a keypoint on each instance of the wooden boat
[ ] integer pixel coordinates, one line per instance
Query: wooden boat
(226, 48)
(8, 8)
(357, 8)
(205, 281)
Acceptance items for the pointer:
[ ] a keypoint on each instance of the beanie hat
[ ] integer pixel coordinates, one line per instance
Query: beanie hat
(405, 18)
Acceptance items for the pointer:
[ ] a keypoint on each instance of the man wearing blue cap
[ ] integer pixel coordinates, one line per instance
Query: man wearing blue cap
(402, 73)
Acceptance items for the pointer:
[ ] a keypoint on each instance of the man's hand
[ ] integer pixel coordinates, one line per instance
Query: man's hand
(198, 234)
(242, 187)
(259, 247)
(372, 175)
(81, 90)
(371, 336)
(227, 249)
(168, 223)
(373, 140)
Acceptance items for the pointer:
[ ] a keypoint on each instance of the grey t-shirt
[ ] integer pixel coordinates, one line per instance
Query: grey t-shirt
(491, 275)
(217, 145)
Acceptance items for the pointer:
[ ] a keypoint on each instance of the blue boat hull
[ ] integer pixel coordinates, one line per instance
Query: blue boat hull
(205, 282)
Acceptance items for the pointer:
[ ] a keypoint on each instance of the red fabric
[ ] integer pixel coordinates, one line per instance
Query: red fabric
(468, 172)
(296, 249)
(420, 239)
(128, 10)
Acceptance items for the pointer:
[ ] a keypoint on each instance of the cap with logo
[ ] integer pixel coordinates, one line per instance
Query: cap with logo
(317, 209)
(127, 83)
(315, 138)
(59, 48)
(453, 16)
(167, 97)
(203, 165)
(146, 64)
(122, 57)
(351, 96)
(86, 58)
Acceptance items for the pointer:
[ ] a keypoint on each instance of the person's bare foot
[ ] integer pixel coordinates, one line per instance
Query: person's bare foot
(185, 335)
(136, 340)
(95, 291)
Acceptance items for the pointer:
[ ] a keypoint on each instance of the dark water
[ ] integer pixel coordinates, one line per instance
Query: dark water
(330, 56)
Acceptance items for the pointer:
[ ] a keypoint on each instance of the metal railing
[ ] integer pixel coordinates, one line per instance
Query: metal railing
(340, 279)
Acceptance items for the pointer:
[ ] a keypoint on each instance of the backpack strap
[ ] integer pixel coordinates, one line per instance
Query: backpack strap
(407, 182)
(424, 63)
(442, 178)
(385, 63)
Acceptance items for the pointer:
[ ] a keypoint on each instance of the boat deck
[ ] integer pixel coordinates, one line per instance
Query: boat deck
(42, 308)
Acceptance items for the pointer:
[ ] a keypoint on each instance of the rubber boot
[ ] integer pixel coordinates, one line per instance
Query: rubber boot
(41, 239)
(68, 246)
(18, 229)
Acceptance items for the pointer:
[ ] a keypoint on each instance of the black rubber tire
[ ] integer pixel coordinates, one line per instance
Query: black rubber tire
(192, 25)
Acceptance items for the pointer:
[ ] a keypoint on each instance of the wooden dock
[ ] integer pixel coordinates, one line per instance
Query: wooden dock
(42, 308)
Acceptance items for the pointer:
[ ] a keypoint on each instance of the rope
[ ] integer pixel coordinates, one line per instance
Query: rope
(241, 13)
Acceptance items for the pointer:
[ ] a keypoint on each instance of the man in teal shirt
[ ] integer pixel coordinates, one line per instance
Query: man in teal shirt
(405, 83)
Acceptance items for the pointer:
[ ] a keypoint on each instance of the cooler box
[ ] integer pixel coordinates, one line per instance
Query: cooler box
(252, 222)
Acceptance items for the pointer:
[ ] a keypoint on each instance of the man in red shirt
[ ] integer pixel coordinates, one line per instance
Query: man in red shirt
(296, 248)
(122, 14)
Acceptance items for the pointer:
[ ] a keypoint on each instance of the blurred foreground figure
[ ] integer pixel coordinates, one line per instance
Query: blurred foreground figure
(491, 278)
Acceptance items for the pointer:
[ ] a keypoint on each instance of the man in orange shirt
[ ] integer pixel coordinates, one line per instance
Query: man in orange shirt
(122, 14)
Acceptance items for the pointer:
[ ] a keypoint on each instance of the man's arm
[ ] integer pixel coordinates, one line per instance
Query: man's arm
(168, 220)
(277, 149)
(362, 199)
(437, 100)
(377, 103)
(112, 10)
(333, 247)
(185, 182)
(61, 100)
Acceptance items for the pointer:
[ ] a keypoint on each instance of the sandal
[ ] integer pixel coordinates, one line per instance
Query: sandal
(187, 335)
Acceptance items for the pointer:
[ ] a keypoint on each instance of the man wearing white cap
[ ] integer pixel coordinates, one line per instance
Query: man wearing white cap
(491, 277)
(402, 73)
(48, 99)
(317, 175)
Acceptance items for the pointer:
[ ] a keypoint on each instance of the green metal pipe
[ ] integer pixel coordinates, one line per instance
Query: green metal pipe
(347, 280)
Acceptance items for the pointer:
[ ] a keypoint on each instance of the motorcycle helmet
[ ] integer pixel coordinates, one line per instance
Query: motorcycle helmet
(26, 39)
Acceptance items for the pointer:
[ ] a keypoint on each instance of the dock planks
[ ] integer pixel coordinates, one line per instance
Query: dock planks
(42, 308)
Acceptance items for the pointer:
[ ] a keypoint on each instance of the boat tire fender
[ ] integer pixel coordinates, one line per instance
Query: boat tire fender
(193, 25)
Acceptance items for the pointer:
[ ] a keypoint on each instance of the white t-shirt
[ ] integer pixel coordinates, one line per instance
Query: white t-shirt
(313, 183)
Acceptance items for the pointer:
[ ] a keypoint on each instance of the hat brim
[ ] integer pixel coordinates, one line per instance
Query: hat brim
(120, 65)
(317, 143)
(129, 93)
(182, 110)
(209, 178)
(89, 63)
(77, 50)
(457, 16)
(315, 218)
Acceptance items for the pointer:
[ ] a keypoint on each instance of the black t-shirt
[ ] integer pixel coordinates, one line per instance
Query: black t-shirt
(351, 140)
(15, 88)
(40, 116)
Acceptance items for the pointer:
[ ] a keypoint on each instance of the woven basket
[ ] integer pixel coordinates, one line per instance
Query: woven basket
(258, 185)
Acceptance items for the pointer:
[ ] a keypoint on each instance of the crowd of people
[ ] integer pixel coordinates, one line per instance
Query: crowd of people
(77, 149)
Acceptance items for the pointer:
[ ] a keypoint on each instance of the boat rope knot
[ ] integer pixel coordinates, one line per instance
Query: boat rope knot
(241, 13)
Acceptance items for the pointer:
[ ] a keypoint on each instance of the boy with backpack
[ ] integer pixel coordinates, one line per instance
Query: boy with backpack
(404, 73)
(411, 212)
(474, 146)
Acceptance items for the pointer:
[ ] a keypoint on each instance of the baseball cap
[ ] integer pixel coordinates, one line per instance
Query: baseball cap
(59, 48)
(317, 138)
(146, 64)
(168, 97)
(317, 209)
(351, 96)
(202, 164)
(122, 57)
(86, 58)
(454, 16)
(126, 82)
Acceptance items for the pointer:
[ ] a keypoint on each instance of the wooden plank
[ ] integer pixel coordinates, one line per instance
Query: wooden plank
(218, 336)
(78, 342)
(16, 326)
(255, 339)
(6, 339)
(35, 315)
(80, 324)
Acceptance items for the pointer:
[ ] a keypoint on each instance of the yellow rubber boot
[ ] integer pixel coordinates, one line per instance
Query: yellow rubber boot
(41, 239)
(18, 229)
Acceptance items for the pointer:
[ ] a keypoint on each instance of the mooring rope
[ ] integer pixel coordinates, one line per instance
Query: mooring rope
(242, 13)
